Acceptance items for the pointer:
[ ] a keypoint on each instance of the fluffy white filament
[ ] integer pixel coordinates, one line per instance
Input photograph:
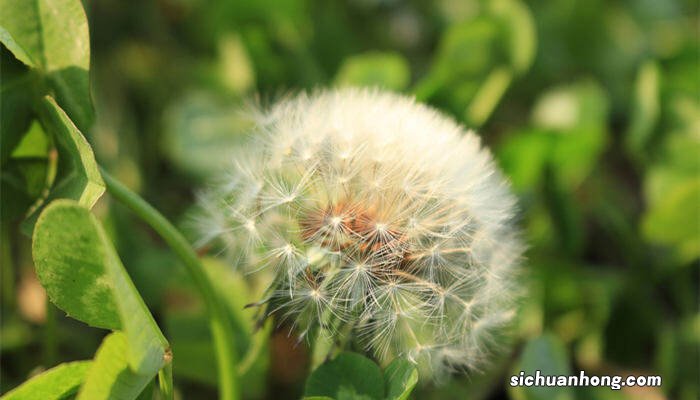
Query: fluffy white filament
(380, 218)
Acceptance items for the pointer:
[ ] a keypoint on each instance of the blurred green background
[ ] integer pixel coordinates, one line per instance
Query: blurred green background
(592, 108)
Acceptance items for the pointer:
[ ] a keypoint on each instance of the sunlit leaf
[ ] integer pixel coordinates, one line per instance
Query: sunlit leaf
(26, 174)
(78, 176)
(57, 383)
(673, 219)
(82, 274)
(70, 262)
(52, 37)
(110, 377)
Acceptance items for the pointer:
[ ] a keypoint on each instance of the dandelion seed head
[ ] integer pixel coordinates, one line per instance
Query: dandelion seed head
(377, 214)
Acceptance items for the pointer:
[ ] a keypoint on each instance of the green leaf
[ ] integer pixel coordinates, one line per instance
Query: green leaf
(78, 176)
(69, 257)
(34, 143)
(524, 155)
(519, 28)
(645, 109)
(401, 377)
(386, 70)
(57, 383)
(478, 58)
(201, 133)
(348, 376)
(82, 274)
(464, 57)
(576, 118)
(17, 93)
(672, 220)
(110, 376)
(26, 175)
(547, 355)
(52, 37)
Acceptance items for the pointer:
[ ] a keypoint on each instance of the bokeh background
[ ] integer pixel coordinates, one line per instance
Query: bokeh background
(592, 108)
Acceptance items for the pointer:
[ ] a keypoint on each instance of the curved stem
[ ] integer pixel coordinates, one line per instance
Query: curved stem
(221, 330)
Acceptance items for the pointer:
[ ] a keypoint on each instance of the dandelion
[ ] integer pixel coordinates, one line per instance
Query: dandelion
(380, 219)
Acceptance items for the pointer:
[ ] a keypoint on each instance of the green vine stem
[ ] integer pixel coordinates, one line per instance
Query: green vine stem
(222, 332)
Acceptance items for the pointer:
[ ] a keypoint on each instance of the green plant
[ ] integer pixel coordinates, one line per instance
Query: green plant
(590, 107)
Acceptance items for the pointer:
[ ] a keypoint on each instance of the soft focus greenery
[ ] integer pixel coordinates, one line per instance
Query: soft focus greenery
(592, 108)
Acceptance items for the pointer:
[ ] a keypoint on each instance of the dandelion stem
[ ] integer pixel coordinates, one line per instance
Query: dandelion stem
(218, 319)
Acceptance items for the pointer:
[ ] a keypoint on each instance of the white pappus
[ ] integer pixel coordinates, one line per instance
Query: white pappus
(382, 221)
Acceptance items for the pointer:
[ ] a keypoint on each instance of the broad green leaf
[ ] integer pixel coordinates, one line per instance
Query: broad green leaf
(69, 257)
(386, 70)
(400, 377)
(52, 37)
(110, 377)
(78, 176)
(547, 355)
(82, 274)
(57, 383)
(348, 376)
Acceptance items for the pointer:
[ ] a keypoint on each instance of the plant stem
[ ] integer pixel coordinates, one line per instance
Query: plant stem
(165, 382)
(254, 350)
(220, 326)
(50, 334)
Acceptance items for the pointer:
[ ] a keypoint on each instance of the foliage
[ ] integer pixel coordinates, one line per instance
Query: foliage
(592, 108)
